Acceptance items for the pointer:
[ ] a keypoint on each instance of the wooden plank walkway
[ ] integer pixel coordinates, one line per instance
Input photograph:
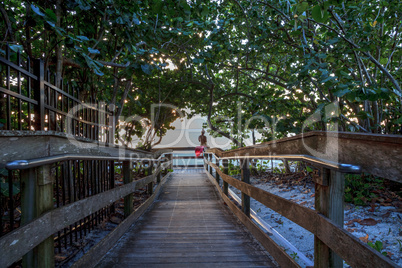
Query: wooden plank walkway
(188, 227)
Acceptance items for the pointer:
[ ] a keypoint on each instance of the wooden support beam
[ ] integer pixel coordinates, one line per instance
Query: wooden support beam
(217, 174)
(28, 193)
(329, 202)
(150, 185)
(170, 156)
(245, 177)
(159, 175)
(127, 178)
(225, 164)
(210, 167)
(44, 252)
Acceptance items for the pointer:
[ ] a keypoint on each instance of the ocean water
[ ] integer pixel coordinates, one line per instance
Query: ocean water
(186, 162)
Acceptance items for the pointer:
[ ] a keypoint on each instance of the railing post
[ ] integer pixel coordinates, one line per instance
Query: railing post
(44, 201)
(28, 187)
(112, 128)
(112, 182)
(158, 176)
(150, 185)
(127, 178)
(39, 95)
(210, 167)
(225, 164)
(37, 199)
(170, 156)
(329, 191)
(205, 159)
(216, 172)
(245, 177)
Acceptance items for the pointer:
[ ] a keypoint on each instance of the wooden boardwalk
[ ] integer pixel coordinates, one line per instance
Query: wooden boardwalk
(188, 227)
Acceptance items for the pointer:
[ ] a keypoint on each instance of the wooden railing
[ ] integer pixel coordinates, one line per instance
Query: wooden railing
(332, 243)
(34, 241)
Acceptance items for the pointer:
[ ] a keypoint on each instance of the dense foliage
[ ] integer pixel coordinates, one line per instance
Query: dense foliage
(271, 65)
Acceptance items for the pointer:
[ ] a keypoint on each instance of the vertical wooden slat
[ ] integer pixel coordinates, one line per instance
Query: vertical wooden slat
(210, 167)
(216, 173)
(225, 170)
(159, 175)
(111, 174)
(11, 199)
(112, 127)
(150, 185)
(127, 178)
(44, 203)
(245, 177)
(28, 210)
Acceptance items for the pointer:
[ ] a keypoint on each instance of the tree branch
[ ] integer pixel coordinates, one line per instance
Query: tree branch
(8, 23)
(212, 127)
(379, 65)
(235, 94)
(112, 64)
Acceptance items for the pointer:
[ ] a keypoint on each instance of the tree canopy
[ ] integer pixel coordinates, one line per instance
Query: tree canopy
(262, 64)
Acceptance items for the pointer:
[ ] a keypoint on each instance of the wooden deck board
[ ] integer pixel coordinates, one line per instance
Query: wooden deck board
(187, 227)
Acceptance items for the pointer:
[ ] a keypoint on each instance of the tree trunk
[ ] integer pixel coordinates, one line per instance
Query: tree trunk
(123, 98)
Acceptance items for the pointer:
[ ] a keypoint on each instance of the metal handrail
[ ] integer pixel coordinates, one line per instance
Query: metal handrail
(36, 162)
(344, 168)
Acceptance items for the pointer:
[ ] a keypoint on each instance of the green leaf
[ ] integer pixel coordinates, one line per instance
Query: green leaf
(82, 38)
(37, 10)
(319, 14)
(5, 187)
(328, 79)
(146, 68)
(397, 121)
(136, 20)
(383, 61)
(157, 6)
(94, 65)
(309, 169)
(83, 5)
(333, 41)
(51, 23)
(341, 93)
(364, 115)
(198, 60)
(93, 51)
(50, 14)
(98, 72)
(16, 48)
(3, 172)
(120, 20)
(204, 11)
(302, 7)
